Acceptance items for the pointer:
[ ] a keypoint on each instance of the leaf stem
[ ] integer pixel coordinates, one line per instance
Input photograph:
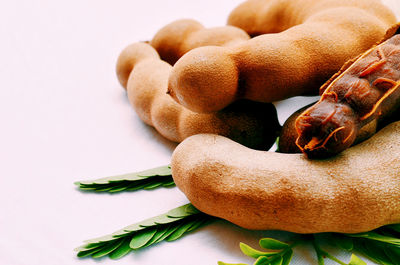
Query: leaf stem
(322, 253)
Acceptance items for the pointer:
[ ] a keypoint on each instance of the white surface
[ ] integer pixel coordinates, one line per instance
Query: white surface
(64, 118)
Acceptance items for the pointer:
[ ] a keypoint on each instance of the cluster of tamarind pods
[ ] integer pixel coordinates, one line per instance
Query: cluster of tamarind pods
(206, 84)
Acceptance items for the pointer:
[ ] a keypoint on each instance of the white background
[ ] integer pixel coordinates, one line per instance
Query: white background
(64, 117)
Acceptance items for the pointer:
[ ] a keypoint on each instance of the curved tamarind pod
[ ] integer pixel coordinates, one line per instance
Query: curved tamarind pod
(140, 69)
(181, 36)
(356, 191)
(258, 17)
(288, 134)
(366, 90)
(276, 66)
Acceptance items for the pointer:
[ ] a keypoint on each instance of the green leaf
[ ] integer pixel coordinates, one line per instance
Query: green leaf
(88, 247)
(393, 253)
(376, 252)
(395, 227)
(360, 248)
(151, 186)
(270, 243)
(354, 260)
(107, 249)
(343, 242)
(190, 209)
(122, 250)
(136, 186)
(377, 237)
(161, 219)
(118, 188)
(141, 238)
(199, 223)
(394, 250)
(183, 211)
(169, 226)
(180, 231)
(85, 253)
(169, 231)
(253, 253)
(160, 232)
(318, 251)
(261, 261)
(287, 257)
(276, 260)
(149, 179)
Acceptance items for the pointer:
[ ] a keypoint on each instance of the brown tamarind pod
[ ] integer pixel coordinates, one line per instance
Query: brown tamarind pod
(364, 91)
(270, 67)
(175, 39)
(145, 76)
(258, 17)
(354, 192)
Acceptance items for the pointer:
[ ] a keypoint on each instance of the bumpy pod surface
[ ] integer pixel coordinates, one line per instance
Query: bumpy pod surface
(318, 37)
(363, 92)
(145, 75)
(180, 36)
(356, 191)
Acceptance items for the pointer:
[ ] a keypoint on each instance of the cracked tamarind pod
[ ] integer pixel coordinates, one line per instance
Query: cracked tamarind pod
(180, 36)
(319, 36)
(288, 134)
(363, 92)
(145, 76)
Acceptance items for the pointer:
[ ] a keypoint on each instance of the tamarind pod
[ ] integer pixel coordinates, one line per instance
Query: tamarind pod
(288, 134)
(258, 17)
(367, 90)
(356, 191)
(252, 124)
(276, 66)
(180, 36)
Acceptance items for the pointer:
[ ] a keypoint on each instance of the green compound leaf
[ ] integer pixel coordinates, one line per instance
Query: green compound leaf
(381, 245)
(147, 180)
(166, 227)
(270, 243)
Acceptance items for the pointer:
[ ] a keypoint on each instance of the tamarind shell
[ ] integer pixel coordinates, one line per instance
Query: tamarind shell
(288, 134)
(365, 89)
